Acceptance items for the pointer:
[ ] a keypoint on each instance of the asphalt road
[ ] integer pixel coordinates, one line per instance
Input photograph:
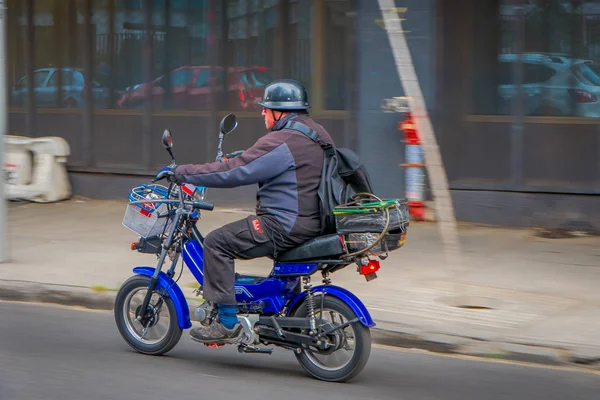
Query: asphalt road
(51, 352)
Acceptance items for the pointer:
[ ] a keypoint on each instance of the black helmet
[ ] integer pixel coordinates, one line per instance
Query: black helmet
(285, 94)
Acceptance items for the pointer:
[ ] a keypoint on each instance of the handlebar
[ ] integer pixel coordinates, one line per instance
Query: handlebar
(234, 154)
(203, 206)
(195, 204)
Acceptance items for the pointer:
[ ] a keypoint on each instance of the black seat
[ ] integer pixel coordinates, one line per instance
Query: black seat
(319, 247)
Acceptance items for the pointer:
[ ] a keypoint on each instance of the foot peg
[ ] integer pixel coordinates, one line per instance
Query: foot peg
(244, 348)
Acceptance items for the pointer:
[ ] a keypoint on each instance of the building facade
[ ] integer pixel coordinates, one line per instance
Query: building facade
(512, 87)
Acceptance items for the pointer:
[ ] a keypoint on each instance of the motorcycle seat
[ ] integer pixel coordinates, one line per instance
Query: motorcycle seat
(328, 246)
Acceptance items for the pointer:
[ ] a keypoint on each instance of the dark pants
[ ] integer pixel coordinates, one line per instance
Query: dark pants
(245, 239)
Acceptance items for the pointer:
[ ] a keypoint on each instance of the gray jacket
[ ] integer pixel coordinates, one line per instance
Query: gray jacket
(287, 167)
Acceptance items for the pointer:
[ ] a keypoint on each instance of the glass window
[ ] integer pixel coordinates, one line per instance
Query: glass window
(255, 78)
(23, 82)
(536, 73)
(53, 82)
(504, 72)
(67, 78)
(58, 43)
(182, 77)
(218, 75)
(119, 54)
(241, 37)
(203, 78)
(585, 74)
(251, 42)
(338, 61)
(548, 52)
(39, 77)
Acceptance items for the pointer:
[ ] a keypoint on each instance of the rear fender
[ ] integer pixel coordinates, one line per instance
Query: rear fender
(175, 294)
(344, 295)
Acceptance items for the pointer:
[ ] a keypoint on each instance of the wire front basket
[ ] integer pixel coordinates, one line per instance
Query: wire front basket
(147, 219)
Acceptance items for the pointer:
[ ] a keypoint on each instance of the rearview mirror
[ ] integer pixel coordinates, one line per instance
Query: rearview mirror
(228, 124)
(167, 139)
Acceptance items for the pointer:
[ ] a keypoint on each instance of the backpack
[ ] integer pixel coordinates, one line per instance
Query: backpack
(342, 176)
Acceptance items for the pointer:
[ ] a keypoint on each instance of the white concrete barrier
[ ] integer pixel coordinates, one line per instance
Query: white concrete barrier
(17, 161)
(35, 168)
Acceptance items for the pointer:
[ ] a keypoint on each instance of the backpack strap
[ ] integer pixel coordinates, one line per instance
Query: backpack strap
(300, 127)
(311, 134)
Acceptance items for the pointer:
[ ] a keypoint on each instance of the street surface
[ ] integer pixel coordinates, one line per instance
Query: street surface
(49, 352)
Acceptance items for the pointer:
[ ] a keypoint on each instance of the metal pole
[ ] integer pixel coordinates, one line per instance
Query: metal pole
(3, 131)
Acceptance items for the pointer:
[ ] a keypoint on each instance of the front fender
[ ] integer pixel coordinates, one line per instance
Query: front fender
(175, 294)
(344, 295)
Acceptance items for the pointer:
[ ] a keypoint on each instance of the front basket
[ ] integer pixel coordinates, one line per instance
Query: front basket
(148, 219)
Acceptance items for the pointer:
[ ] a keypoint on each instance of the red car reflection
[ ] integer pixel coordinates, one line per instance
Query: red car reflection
(191, 89)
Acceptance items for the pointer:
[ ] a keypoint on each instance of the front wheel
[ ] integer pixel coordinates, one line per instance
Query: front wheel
(159, 331)
(351, 345)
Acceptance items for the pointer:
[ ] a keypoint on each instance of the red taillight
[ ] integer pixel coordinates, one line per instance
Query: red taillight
(370, 268)
(581, 96)
(242, 96)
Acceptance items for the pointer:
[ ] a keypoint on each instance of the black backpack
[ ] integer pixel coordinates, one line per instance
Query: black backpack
(343, 176)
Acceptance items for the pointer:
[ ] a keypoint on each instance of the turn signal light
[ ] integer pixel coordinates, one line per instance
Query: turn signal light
(370, 268)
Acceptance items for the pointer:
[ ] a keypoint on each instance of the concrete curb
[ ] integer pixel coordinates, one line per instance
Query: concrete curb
(56, 294)
(384, 334)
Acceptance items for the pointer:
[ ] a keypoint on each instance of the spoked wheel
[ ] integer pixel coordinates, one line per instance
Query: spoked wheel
(351, 346)
(159, 331)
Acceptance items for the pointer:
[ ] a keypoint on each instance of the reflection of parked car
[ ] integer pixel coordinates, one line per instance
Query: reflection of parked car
(553, 84)
(252, 88)
(45, 88)
(191, 88)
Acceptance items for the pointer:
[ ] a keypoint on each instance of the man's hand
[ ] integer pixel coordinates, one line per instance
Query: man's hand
(167, 172)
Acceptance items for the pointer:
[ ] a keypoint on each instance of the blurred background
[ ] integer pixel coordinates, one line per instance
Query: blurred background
(512, 87)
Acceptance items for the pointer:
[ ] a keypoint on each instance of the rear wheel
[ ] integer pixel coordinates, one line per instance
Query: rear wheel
(159, 332)
(351, 345)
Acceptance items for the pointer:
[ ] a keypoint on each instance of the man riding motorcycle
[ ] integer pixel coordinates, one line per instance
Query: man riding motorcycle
(287, 166)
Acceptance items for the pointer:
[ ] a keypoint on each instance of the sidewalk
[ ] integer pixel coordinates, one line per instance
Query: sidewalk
(517, 296)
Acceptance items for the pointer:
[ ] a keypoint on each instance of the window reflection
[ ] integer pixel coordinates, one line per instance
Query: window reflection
(197, 68)
(338, 53)
(174, 54)
(559, 62)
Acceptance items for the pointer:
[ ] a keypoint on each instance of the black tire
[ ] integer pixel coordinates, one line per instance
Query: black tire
(362, 337)
(173, 333)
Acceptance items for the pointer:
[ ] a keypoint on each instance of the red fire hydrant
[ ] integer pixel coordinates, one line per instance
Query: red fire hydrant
(414, 168)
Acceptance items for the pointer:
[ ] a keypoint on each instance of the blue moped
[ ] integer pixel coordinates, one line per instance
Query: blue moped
(327, 327)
